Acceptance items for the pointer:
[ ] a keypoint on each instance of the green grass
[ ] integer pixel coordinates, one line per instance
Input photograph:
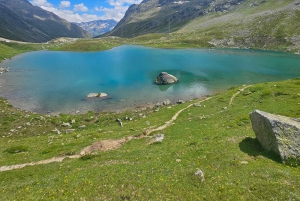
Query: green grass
(219, 142)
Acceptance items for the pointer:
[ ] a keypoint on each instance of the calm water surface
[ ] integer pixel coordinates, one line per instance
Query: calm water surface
(46, 81)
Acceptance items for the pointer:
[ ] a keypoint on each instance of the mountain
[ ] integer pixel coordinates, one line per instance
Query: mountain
(20, 20)
(162, 16)
(98, 27)
(258, 24)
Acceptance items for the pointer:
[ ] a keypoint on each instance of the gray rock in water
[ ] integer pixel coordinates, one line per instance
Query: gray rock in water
(166, 78)
(277, 133)
(97, 95)
(167, 102)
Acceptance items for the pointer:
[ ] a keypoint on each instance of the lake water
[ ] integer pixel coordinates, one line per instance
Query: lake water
(47, 81)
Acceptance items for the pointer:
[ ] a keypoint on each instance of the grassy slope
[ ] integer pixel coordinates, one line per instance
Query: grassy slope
(215, 140)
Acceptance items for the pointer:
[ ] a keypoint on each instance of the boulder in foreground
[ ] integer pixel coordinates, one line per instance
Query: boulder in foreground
(277, 133)
(166, 78)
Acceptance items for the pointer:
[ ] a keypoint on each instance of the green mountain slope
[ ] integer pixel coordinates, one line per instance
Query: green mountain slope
(272, 24)
(19, 20)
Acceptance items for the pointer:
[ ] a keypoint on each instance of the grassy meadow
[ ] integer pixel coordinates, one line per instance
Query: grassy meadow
(213, 136)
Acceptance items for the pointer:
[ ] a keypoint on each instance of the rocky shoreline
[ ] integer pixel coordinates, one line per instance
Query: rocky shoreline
(4, 70)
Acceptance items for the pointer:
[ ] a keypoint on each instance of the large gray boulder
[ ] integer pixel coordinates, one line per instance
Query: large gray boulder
(277, 133)
(166, 78)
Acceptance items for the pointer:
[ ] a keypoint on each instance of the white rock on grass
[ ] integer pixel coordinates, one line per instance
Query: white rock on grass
(200, 174)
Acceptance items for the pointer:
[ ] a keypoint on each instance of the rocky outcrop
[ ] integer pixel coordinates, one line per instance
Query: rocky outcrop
(3, 70)
(166, 78)
(277, 133)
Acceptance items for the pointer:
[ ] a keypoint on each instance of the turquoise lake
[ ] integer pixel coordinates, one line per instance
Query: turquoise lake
(58, 82)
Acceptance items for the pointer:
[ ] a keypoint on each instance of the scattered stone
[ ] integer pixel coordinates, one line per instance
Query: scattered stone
(197, 104)
(56, 131)
(178, 160)
(180, 102)
(165, 78)
(277, 133)
(128, 119)
(157, 104)
(200, 174)
(73, 121)
(244, 162)
(247, 93)
(148, 123)
(157, 110)
(70, 131)
(120, 122)
(167, 102)
(4, 70)
(224, 108)
(27, 124)
(66, 124)
(83, 126)
(158, 138)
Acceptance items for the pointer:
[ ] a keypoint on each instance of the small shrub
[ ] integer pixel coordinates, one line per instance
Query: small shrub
(266, 92)
(16, 149)
(87, 157)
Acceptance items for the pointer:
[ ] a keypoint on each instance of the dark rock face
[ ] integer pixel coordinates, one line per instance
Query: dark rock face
(20, 20)
(277, 133)
(165, 78)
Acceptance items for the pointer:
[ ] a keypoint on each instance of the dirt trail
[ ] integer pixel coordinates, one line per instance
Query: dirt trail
(237, 93)
(104, 145)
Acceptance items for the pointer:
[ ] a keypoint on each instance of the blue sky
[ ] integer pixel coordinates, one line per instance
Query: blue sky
(86, 10)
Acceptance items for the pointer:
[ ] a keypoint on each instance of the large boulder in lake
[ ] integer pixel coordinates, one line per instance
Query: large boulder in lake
(166, 78)
(277, 133)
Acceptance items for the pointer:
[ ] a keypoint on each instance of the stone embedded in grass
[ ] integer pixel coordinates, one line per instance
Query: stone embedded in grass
(277, 133)
(70, 131)
(16, 149)
(56, 131)
(157, 138)
(66, 124)
(200, 174)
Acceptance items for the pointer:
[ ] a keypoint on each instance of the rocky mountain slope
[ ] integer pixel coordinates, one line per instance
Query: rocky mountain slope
(162, 16)
(20, 20)
(98, 27)
(258, 24)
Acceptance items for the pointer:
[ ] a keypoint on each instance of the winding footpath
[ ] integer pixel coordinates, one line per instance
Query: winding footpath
(107, 145)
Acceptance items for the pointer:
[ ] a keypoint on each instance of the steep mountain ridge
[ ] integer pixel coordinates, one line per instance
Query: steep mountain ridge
(98, 27)
(20, 20)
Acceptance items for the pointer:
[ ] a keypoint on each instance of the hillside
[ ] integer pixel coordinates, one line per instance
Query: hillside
(19, 20)
(155, 16)
(255, 24)
(98, 27)
(214, 135)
